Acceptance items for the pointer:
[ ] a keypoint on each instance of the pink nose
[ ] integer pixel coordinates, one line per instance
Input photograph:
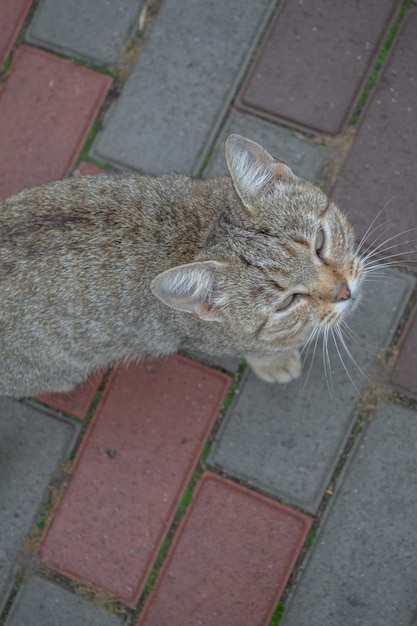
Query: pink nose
(344, 293)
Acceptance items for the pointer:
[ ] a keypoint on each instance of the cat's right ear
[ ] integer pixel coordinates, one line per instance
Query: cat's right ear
(192, 288)
(255, 173)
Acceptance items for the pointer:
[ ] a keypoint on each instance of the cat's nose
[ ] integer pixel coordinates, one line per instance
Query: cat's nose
(344, 292)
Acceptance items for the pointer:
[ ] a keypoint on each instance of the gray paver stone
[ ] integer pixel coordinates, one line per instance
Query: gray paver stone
(227, 363)
(363, 565)
(41, 602)
(186, 75)
(32, 444)
(306, 159)
(95, 31)
(287, 439)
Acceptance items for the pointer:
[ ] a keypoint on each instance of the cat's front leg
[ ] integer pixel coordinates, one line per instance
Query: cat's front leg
(281, 367)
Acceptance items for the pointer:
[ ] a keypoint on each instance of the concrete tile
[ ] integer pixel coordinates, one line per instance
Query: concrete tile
(230, 559)
(379, 174)
(306, 159)
(287, 439)
(314, 62)
(95, 31)
(76, 402)
(131, 472)
(13, 14)
(363, 564)
(187, 73)
(49, 105)
(31, 446)
(404, 375)
(227, 363)
(46, 604)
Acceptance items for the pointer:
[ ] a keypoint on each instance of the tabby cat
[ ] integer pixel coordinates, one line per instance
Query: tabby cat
(99, 269)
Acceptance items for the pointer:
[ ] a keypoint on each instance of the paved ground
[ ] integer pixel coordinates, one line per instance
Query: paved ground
(186, 491)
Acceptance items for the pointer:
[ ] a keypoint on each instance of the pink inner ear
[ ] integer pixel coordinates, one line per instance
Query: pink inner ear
(282, 172)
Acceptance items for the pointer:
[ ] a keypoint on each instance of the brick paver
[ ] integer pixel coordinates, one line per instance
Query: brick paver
(95, 31)
(380, 171)
(172, 102)
(404, 376)
(13, 14)
(77, 402)
(49, 105)
(364, 562)
(134, 465)
(41, 602)
(88, 169)
(32, 444)
(342, 39)
(288, 439)
(230, 559)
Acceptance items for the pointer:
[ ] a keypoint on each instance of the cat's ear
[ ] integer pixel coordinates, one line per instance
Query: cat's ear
(255, 173)
(191, 288)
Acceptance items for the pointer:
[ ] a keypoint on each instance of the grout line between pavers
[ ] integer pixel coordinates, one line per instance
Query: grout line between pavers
(319, 525)
(386, 394)
(379, 64)
(189, 490)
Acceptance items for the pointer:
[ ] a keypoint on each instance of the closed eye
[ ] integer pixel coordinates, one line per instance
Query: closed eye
(285, 303)
(288, 301)
(319, 244)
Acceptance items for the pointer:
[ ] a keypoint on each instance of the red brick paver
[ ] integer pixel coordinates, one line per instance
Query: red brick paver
(230, 559)
(50, 105)
(380, 172)
(131, 472)
(89, 169)
(12, 16)
(404, 376)
(76, 402)
(314, 62)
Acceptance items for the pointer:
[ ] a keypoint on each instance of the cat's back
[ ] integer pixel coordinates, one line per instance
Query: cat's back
(70, 213)
(106, 212)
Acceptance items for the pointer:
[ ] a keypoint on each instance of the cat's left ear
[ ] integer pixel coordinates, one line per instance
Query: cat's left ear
(192, 288)
(255, 173)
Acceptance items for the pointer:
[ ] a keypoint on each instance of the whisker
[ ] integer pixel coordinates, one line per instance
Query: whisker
(380, 268)
(348, 352)
(380, 246)
(387, 257)
(307, 344)
(326, 361)
(355, 337)
(368, 231)
(342, 361)
(315, 333)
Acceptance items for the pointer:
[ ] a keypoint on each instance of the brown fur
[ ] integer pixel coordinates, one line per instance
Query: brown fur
(102, 268)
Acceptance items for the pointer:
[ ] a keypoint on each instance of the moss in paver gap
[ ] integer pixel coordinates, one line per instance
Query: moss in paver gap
(407, 4)
(188, 494)
(237, 376)
(277, 616)
(182, 507)
(83, 156)
(6, 65)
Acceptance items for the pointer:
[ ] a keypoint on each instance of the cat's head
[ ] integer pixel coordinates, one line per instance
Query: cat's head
(279, 265)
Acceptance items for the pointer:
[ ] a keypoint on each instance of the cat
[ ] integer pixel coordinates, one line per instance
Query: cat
(100, 269)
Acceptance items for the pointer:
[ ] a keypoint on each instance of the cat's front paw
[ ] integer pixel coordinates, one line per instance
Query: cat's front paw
(281, 368)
